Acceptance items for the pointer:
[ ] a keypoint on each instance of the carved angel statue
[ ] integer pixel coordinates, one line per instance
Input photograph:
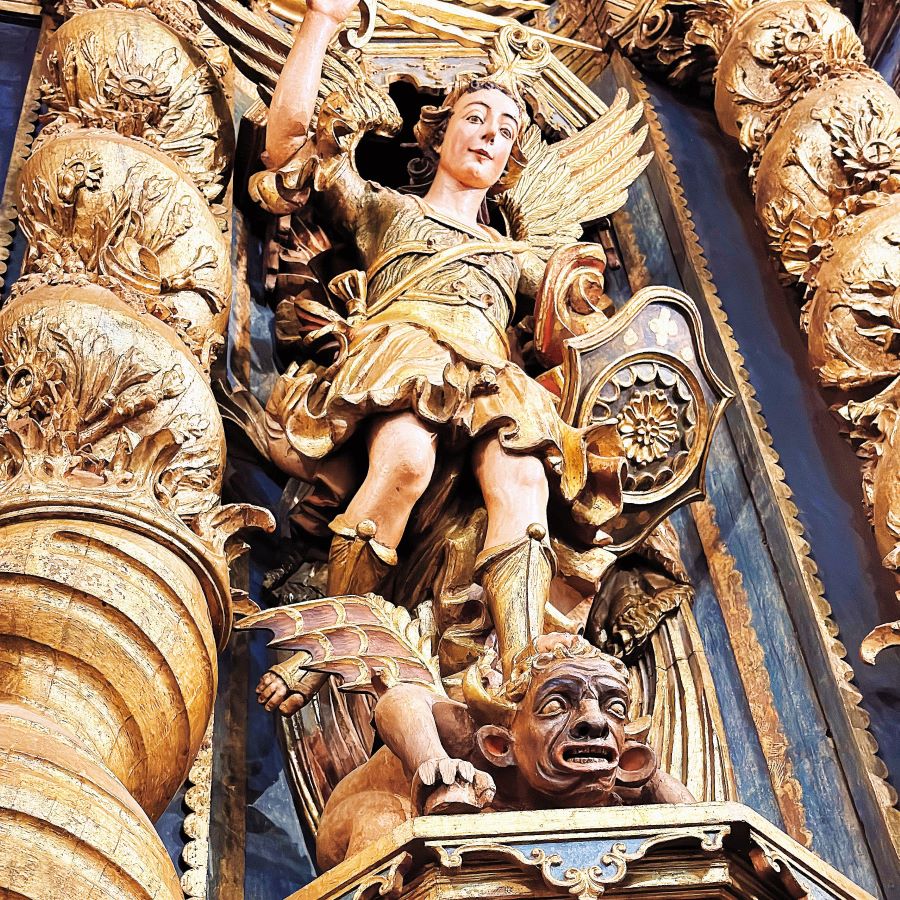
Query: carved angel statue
(556, 733)
(426, 374)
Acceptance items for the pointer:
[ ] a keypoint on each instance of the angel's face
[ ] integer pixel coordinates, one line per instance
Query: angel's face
(479, 138)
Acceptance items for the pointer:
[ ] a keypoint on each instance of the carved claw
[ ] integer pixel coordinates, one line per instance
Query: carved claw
(450, 786)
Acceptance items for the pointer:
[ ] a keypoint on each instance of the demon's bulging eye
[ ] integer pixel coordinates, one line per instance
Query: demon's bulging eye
(552, 706)
(616, 707)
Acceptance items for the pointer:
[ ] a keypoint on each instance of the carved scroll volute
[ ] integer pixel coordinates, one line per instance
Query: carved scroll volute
(571, 300)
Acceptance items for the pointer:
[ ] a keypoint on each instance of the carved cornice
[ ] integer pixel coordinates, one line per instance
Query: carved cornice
(697, 850)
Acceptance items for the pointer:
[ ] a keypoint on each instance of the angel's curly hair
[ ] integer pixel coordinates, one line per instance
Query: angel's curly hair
(429, 131)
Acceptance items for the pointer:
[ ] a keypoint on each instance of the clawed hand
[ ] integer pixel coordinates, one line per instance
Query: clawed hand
(452, 785)
(273, 693)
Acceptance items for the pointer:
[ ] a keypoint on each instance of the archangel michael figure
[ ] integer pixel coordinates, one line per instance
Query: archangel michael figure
(426, 373)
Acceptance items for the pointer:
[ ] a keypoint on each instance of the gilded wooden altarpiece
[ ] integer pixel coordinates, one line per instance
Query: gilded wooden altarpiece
(118, 317)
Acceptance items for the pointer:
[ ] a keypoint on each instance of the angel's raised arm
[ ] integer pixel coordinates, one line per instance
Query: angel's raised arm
(296, 92)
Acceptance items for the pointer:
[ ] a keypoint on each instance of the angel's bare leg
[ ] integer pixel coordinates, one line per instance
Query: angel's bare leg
(515, 491)
(515, 567)
(401, 463)
(402, 453)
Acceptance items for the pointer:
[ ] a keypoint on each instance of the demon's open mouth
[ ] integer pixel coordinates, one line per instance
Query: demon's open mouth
(589, 755)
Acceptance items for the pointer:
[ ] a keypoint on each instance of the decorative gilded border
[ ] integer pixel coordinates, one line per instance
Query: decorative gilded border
(197, 799)
(728, 584)
(583, 882)
(835, 653)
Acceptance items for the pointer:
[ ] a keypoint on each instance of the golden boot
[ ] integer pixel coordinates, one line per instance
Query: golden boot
(516, 580)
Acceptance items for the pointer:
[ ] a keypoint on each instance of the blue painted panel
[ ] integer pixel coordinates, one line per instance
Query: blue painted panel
(742, 271)
(750, 770)
(168, 826)
(18, 42)
(819, 465)
(276, 858)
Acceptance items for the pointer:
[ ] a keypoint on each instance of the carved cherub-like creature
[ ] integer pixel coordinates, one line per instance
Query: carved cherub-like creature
(555, 734)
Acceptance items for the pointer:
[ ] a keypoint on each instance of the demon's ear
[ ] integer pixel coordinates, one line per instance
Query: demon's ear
(496, 745)
(637, 765)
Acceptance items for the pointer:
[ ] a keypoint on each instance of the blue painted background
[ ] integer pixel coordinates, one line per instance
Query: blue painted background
(18, 41)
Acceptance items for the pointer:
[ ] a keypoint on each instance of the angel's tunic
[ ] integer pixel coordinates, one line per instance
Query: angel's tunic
(440, 295)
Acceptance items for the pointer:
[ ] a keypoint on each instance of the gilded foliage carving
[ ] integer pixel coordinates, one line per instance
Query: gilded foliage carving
(681, 40)
(777, 55)
(80, 405)
(115, 546)
(127, 220)
(179, 15)
(866, 139)
(823, 131)
(164, 93)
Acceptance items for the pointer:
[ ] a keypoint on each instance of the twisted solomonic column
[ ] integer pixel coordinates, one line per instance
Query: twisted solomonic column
(114, 547)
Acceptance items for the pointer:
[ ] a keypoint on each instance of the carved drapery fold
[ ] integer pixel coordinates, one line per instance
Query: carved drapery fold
(114, 546)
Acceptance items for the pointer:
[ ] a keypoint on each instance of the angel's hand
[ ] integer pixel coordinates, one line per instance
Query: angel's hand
(336, 10)
(445, 786)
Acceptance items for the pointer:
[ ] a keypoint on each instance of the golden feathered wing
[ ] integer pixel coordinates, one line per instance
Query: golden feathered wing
(576, 180)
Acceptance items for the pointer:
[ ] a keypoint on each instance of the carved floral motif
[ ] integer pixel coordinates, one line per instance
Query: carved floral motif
(866, 140)
(681, 39)
(164, 93)
(80, 405)
(104, 210)
(648, 426)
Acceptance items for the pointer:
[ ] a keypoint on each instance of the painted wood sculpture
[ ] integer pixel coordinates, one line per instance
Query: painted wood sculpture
(505, 480)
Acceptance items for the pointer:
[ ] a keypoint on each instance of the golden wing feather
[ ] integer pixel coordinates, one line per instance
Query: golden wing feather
(367, 642)
(260, 49)
(258, 46)
(575, 181)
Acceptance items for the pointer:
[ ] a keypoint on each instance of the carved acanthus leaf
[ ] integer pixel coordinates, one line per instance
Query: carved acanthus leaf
(120, 90)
